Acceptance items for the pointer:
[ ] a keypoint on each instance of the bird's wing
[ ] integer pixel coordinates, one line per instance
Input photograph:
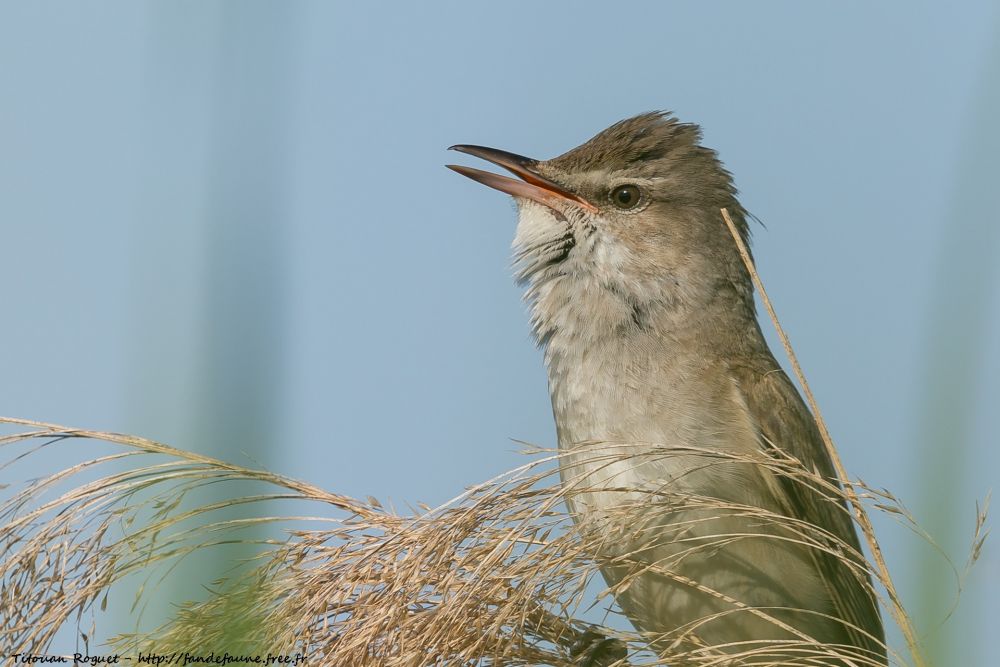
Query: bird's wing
(785, 423)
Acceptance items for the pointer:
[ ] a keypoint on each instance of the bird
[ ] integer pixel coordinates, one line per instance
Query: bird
(688, 457)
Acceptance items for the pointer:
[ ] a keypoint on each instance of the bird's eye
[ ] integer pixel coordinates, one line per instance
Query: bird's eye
(625, 196)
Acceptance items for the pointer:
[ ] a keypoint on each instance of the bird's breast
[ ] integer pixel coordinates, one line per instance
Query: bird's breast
(635, 414)
(658, 466)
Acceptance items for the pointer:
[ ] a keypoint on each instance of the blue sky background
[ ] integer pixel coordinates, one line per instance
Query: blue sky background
(229, 222)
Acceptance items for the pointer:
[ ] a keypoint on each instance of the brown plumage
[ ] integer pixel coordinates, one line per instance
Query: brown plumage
(689, 457)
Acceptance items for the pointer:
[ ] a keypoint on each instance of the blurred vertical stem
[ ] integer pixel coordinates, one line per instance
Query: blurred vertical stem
(218, 91)
(243, 322)
(959, 300)
(242, 327)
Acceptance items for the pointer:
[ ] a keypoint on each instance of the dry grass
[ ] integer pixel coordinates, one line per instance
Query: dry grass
(497, 576)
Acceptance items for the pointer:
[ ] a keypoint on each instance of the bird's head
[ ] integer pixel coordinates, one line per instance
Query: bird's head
(632, 216)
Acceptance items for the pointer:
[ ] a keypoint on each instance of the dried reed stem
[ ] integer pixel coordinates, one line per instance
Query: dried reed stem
(860, 514)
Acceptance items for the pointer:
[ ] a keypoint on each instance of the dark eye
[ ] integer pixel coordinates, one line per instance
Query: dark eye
(625, 196)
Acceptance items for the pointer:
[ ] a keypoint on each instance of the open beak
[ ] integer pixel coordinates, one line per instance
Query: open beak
(532, 186)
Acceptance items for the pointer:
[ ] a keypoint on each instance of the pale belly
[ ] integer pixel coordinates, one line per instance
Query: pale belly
(688, 535)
